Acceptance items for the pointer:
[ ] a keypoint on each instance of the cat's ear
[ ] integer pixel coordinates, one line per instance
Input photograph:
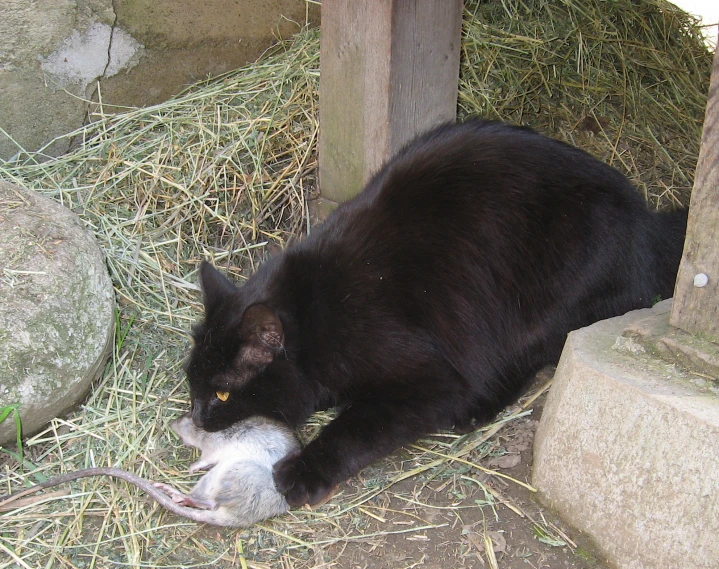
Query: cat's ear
(262, 335)
(215, 286)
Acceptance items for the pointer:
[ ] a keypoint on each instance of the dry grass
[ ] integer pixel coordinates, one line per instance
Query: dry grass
(626, 81)
(224, 171)
(220, 172)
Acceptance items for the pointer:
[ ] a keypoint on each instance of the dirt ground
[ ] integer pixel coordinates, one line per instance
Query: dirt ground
(449, 501)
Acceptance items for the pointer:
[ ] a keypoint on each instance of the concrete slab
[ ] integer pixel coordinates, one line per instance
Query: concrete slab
(627, 449)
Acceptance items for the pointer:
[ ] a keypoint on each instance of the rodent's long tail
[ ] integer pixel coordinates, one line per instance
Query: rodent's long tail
(202, 516)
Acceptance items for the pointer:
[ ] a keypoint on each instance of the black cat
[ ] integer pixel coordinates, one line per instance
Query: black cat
(429, 300)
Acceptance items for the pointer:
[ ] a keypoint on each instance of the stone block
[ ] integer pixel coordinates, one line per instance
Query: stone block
(627, 449)
(56, 309)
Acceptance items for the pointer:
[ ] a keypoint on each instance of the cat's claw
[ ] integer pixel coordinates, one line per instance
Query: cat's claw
(301, 483)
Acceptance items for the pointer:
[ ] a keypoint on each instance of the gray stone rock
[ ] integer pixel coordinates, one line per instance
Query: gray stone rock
(56, 309)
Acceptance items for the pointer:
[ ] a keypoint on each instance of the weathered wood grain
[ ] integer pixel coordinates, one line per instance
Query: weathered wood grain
(389, 70)
(696, 309)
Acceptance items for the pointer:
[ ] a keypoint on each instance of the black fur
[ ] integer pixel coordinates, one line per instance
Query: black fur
(430, 299)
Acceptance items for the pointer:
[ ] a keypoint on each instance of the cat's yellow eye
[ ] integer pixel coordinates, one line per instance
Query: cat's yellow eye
(222, 395)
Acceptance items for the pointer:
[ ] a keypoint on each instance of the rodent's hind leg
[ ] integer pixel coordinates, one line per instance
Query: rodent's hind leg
(185, 499)
(201, 464)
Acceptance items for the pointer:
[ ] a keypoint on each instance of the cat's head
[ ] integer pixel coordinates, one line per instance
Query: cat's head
(238, 366)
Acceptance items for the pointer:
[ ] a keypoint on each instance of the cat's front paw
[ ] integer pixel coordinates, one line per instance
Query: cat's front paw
(301, 483)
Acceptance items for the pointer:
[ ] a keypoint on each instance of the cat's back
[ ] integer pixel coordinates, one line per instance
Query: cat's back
(483, 183)
(488, 164)
(469, 173)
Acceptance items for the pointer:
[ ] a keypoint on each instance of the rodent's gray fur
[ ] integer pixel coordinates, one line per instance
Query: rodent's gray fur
(237, 491)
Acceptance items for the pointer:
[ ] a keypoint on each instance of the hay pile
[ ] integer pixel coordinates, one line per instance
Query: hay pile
(224, 171)
(626, 81)
(220, 172)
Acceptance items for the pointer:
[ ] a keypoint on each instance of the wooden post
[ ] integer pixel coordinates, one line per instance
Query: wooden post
(389, 70)
(696, 308)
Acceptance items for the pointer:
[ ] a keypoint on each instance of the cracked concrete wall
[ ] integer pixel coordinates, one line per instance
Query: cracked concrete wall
(57, 54)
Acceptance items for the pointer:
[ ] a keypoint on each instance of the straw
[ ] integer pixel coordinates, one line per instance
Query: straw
(224, 171)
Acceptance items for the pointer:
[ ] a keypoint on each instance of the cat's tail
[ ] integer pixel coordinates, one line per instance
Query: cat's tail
(668, 237)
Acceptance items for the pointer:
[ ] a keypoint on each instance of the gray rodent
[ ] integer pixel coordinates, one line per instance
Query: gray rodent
(237, 491)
